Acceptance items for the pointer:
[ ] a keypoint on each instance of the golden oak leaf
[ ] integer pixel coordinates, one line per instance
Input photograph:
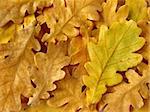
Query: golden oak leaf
(65, 16)
(109, 12)
(113, 52)
(69, 94)
(16, 58)
(14, 10)
(137, 9)
(145, 51)
(131, 93)
(48, 70)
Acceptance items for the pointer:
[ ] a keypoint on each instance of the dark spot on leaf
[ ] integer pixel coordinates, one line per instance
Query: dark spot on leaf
(6, 56)
(33, 84)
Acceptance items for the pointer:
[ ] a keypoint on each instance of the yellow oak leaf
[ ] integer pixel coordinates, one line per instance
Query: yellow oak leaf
(65, 17)
(14, 10)
(48, 70)
(109, 12)
(137, 9)
(113, 52)
(16, 57)
(131, 93)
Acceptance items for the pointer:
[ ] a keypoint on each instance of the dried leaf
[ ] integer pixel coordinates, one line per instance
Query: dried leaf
(16, 57)
(69, 92)
(14, 10)
(145, 51)
(114, 52)
(48, 70)
(127, 94)
(65, 25)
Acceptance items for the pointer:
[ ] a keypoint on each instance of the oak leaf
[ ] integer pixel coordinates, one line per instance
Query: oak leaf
(145, 51)
(15, 10)
(16, 57)
(64, 25)
(110, 14)
(131, 93)
(69, 94)
(113, 52)
(48, 70)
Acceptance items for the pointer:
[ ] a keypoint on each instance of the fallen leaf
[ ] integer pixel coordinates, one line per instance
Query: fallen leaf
(131, 93)
(48, 70)
(64, 25)
(15, 10)
(113, 52)
(16, 58)
(69, 94)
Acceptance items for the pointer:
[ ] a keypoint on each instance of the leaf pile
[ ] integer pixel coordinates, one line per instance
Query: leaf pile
(74, 56)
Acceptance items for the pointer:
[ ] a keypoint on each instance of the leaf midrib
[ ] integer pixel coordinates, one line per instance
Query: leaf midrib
(58, 32)
(17, 66)
(105, 67)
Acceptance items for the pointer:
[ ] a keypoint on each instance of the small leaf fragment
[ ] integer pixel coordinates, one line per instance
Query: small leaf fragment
(137, 9)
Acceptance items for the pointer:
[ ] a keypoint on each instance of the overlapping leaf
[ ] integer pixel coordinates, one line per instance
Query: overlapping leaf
(68, 94)
(145, 26)
(14, 10)
(42, 73)
(127, 94)
(66, 16)
(113, 52)
(16, 58)
(110, 14)
(48, 70)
